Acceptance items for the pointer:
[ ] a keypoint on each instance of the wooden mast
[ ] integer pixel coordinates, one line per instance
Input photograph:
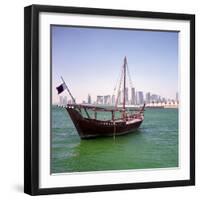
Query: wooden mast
(124, 99)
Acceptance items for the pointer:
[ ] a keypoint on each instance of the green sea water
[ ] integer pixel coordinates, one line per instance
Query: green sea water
(153, 145)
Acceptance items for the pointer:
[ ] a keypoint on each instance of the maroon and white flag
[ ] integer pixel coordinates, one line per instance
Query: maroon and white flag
(61, 88)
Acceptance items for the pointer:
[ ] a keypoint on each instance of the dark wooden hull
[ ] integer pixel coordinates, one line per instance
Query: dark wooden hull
(90, 128)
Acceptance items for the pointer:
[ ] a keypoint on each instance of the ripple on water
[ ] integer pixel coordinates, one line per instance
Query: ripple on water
(153, 145)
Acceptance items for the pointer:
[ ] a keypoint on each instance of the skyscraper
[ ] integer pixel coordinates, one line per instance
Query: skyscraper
(154, 98)
(148, 97)
(133, 98)
(60, 100)
(140, 97)
(99, 99)
(113, 99)
(107, 99)
(89, 99)
(64, 101)
(177, 97)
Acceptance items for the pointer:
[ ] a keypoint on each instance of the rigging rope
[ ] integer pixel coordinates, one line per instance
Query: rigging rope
(118, 92)
(120, 83)
(117, 82)
(129, 76)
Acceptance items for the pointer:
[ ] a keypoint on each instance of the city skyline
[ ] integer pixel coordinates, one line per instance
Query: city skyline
(89, 60)
(136, 98)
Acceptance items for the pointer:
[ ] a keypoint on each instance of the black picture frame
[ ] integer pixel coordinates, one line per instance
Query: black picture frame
(31, 98)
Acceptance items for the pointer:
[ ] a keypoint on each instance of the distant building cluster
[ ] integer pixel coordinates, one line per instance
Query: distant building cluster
(63, 101)
(135, 98)
(132, 98)
(106, 100)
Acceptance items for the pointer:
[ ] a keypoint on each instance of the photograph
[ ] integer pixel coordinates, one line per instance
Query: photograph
(114, 99)
(109, 99)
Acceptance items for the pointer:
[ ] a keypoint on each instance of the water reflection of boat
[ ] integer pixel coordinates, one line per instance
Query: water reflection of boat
(89, 126)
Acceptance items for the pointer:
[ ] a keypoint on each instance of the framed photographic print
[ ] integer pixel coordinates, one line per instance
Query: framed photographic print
(109, 99)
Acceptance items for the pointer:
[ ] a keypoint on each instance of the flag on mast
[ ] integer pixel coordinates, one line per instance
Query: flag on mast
(61, 88)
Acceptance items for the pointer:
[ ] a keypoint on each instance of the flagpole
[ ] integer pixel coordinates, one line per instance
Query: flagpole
(68, 90)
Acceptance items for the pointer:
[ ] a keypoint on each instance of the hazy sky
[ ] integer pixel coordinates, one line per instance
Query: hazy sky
(90, 60)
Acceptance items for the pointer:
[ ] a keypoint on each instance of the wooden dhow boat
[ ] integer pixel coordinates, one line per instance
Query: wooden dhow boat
(89, 126)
